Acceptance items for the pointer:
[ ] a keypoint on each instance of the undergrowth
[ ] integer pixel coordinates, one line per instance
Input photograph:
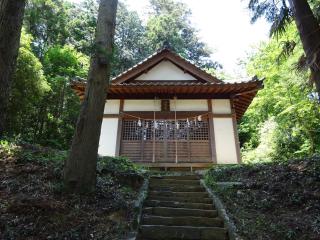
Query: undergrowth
(33, 204)
(276, 200)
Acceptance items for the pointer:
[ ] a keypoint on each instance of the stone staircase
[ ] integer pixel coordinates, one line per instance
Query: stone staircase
(178, 207)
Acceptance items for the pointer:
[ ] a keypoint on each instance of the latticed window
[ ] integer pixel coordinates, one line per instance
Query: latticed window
(165, 129)
(131, 130)
(199, 130)
(166, 140)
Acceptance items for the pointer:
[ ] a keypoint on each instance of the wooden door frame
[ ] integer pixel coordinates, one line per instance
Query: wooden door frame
(165, 115)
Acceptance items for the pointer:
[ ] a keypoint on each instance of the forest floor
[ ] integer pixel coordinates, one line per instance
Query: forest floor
(279, 200)
(33, 204)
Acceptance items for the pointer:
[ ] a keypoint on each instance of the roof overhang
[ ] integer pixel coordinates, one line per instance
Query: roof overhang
(242, 93)
(206, 86)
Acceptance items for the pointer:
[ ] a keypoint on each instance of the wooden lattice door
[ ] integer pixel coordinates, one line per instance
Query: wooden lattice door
(166, 141)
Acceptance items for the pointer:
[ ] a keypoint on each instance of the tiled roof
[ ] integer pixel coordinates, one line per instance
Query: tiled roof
(124, 86)
(165, 53)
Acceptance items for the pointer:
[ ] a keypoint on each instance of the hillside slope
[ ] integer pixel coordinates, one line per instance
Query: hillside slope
(279, 200)
(33, 204)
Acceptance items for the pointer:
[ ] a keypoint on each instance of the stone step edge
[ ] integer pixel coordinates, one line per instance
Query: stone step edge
(178, 198)
(174, 210)
(217, 220)
(164, 192)
(175, 204)
(165, 232)
(200, 228)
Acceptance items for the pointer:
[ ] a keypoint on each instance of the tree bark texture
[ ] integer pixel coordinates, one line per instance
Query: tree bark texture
(309, 31)
(11, 17)
(80, 167)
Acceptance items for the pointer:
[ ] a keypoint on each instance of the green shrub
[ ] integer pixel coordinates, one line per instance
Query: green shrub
(118, 165)
(24, 152)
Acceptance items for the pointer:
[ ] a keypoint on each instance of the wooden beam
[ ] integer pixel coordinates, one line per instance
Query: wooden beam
(211, 134)
(236, 134)
(176, 165)
(167, 115)
(111, 115)
(119, 131)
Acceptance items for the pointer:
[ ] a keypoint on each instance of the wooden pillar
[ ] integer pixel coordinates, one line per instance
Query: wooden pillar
(142, 141)
(119, 132)
(211, 133)
(235, 130)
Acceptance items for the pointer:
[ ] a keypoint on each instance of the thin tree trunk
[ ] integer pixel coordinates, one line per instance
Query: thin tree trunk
(11, 16)
(80, 167)
(309, 31)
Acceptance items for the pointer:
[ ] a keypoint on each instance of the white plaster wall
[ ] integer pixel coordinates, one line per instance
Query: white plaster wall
(165, 70)
(108, 137)
(112, 107)
(221, 106)
(142, 105)
(225, 141)
(189, 105)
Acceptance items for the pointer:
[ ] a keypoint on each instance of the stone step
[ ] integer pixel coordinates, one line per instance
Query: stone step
(158, 232)
(178, 194)
(182, 221)
(174, 204)
(186, 177)
(181, 199)
(155, 182)
(172, 212)
(178, 188)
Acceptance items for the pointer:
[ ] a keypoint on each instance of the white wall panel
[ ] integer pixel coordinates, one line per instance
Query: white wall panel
(225, 141)
(221, 106)
(189, 105)
(166, 71)
(142, 105)
(112, 107)
(108, 137)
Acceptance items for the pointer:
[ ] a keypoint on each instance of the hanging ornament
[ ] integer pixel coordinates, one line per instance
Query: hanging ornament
(188, 123)
(178, 126)
(139, 123)
(147, 125)
(155, 124)
(199, 118)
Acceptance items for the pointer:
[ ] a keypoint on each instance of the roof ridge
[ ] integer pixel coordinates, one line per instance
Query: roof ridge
(160, 51)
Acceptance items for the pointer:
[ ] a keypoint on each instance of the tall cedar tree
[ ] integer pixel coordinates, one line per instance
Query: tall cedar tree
(280, 15)
(80, 167)
(11, 17)
(309, 31)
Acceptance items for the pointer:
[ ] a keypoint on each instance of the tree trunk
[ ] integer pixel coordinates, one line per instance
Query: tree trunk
(11, 16)
(309, 31)
(80, 167)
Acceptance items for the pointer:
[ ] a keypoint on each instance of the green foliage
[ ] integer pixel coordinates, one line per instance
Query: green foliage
(7, 148)
(65, 61)
(284, 119)
(170, 23)
(23, 153)
(276, 12)
(118, 165)
(29, 85)
(224, 173)
(47, 21)
(82, 25)
(43, 107)
(61, 65)
(56, 46)
(130, 42)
